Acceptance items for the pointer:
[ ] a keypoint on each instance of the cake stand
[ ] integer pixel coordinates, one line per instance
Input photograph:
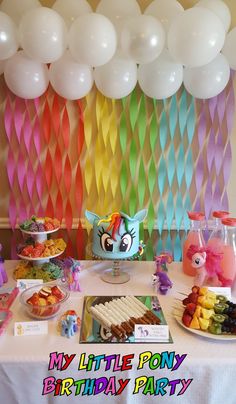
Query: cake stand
(114, 274)
(40, 237)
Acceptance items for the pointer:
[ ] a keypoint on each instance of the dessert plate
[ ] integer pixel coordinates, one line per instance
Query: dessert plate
(178, 311)
(32, 233)
(25, 257)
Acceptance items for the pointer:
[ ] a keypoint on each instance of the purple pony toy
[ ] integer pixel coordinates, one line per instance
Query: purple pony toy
(160, 277)
(3, 274)
(71, 272)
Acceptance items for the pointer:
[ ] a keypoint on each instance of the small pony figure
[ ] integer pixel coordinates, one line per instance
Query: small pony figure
(160, 277)
(72, 269)
(207, 263)
(69, 326)
(3, 274)
(163, 282)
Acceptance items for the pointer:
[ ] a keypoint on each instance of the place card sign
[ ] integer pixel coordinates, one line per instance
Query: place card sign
(151, 332)
(22, 329)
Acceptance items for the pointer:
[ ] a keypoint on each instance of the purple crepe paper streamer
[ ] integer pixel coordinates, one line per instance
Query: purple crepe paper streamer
(19, 116)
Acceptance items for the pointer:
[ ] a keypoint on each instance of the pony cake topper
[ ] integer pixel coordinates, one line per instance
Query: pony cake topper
(116, 236)
(207, 263)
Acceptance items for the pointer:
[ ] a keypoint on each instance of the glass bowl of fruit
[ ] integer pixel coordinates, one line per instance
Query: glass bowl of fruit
(44, 301)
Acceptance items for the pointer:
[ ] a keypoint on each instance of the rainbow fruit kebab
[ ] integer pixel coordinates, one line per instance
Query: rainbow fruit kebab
(206, 311)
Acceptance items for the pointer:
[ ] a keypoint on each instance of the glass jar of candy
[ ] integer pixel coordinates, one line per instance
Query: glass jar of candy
(195, 237)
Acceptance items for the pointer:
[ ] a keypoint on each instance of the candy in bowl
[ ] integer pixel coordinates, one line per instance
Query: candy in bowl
(43, 302)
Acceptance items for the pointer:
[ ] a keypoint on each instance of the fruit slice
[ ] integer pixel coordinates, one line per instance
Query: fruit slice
(218, 318)
(195, 323)
(190, 308)
(186, 319)
(207, 313)
(204, 324)
(215, 328)
(198, 311)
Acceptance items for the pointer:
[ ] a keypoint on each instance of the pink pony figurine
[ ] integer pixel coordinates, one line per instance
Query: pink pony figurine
(72, 270)
(3, 274)
(207, 263)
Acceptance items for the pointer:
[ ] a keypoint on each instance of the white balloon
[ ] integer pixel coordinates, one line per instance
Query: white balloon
(17, 8)
(229, 48)
(209, 80)
(92, 39)
(117, 78)
(142, 38)
(70, 79)
(25, 77)
(2, 66)
(196, 37)
(69, 10)
(219, 8)
(165, 11)
(162, 78)
(43, 34)
(8, 37)
(118, 10)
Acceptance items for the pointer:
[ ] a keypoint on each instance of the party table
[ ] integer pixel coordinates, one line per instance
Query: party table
(207, 372)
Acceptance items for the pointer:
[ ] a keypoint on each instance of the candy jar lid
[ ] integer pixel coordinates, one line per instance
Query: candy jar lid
(229, 221)
(220, 214)
(196, 216)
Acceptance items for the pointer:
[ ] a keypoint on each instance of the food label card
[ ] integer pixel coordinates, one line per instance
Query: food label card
(23, 284)
(30, 328)
(158, 333)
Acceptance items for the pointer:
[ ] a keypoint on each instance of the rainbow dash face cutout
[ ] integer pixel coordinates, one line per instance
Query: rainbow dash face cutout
(115, 236)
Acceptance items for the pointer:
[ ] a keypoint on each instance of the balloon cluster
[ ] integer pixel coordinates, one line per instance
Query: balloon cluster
(72, 47)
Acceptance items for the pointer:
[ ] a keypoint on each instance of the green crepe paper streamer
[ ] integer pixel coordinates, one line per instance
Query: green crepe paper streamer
(123, 133)
(142, 123)
(173, 116)
(179, 211)
(141, 232)
(150, 219)
(169, 210)
(151, 177)
(133, 110)
(141, 183)
(160, 216)
(162, 175)
(149, 251)
(171, 165)
(180, 165)
(177, 249)
(191, 121)
(163, 130)
(132, 201)
(153, 133)
(123, 180)
(133, 159)
(169, 245)
(189, 169)
(183, 113)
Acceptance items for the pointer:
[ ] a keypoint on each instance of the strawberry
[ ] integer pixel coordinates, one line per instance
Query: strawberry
(190, 308)
(186, 319)
(195, 289)
(186, 301)
(193, 297)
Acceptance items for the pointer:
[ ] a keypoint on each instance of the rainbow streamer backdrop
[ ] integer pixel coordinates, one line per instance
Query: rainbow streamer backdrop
(104, 155)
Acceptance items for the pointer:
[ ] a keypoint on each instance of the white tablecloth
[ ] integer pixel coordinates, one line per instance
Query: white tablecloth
(24, 360)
